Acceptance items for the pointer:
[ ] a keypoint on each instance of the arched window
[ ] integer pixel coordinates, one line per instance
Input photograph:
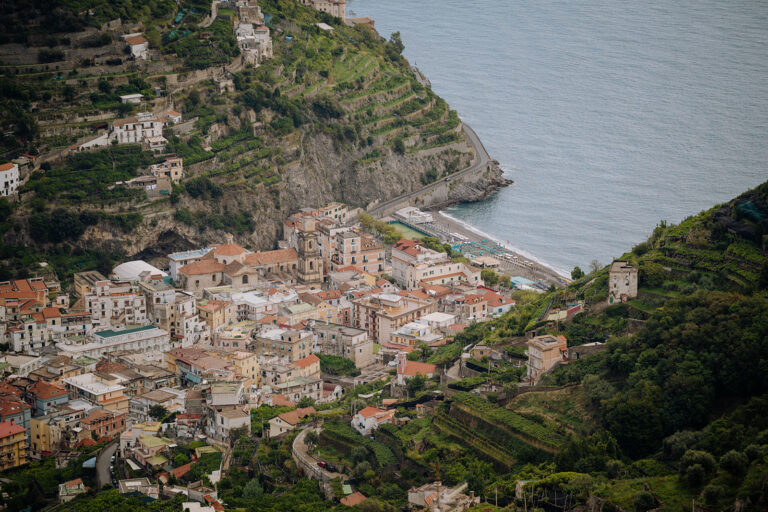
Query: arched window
(311, 265)
(245, 279)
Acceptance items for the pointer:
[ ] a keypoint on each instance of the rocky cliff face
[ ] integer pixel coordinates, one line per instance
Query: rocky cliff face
(321, 173)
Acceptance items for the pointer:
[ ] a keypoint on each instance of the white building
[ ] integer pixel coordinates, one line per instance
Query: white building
(180, 259)
(116, 303)
(131, 98)
(138, 44)
(414, 215)
(9, 179)
(137, 339)
(133, 130)
(252, 306)
(412, 264)
(226, 418)
(622, 283)
(371, 418)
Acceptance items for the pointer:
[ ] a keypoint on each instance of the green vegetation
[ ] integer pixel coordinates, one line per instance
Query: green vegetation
(335, 365)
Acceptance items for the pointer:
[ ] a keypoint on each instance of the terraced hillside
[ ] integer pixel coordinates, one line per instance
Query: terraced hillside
(334, 115)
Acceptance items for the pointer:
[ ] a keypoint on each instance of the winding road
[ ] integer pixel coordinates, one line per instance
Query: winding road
(103, 461)
(483, 160)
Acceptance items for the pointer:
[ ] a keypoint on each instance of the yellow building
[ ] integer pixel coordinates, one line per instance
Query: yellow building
(544, 352)
(217, 313)
(13, 445)
(246, 364)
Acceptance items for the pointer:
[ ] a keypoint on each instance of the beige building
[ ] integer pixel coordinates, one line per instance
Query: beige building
(336, 8)
(622, 282)
(99, 389)
(217, 313)
(357, 250)
(413, 266)
(284, 343)
(288, 421)
(172, 168)
(342, 341)
(382, 314)
(310, 258)
(544, 352)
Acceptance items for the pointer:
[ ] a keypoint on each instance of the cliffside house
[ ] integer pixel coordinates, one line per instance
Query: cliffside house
(622, 282)
(370, 418)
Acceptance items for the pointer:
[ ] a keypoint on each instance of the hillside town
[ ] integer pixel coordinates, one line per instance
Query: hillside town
(217, 331)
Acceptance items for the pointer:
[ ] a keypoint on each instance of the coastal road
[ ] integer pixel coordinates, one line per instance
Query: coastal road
(103, 461)
(483, 159)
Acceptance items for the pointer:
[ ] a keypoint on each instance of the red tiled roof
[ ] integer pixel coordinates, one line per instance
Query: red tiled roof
(228, 250)
(51, 313)
(202, 267)
(8, 429)
(45, 390)
(371, 411)
(272, 257)
(416, 368)
(293, 417)
(135, 40)
(6, 167)
(281, 400)
(353, 499)
(310, 359)
(182, 470)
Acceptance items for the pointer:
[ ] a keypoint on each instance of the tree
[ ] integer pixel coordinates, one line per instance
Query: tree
(577, 273)
(252, 489)
(158, 412)
(652, 274)
(359, 454)
(736, 463)
(180, 459)
(362, 468)
(594, 266)
(311, 438)
(644, 501)
(416, 384)
(489, 276)
(306, 402)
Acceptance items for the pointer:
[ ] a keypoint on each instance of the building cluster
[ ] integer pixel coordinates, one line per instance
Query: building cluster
(251, 33)
(218, 331)
(145, 128)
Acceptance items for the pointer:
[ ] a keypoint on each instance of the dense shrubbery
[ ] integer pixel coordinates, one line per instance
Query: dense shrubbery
(335, 365)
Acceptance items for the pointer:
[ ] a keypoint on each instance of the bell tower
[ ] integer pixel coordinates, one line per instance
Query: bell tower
(310, 259)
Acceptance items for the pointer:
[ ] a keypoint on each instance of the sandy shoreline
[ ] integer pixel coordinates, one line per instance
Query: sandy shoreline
(539, 272)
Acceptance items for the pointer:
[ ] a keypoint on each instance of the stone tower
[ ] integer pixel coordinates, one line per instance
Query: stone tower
(310, 259)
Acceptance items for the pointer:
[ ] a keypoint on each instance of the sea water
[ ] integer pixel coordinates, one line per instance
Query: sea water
(609, 115)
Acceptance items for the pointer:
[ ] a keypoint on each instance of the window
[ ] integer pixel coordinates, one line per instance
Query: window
(245, 279)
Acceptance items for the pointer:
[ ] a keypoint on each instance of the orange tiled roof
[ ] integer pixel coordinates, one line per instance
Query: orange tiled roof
(310, 359)
(293, 417)
(45, 390)
(228, 250)
(8, 429)
(416, 368)
(353, 499)
(135, 40)
(272, 257)
(202, 267)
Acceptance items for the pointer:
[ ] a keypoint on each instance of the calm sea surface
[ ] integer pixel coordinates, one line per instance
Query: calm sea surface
(609, 115)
